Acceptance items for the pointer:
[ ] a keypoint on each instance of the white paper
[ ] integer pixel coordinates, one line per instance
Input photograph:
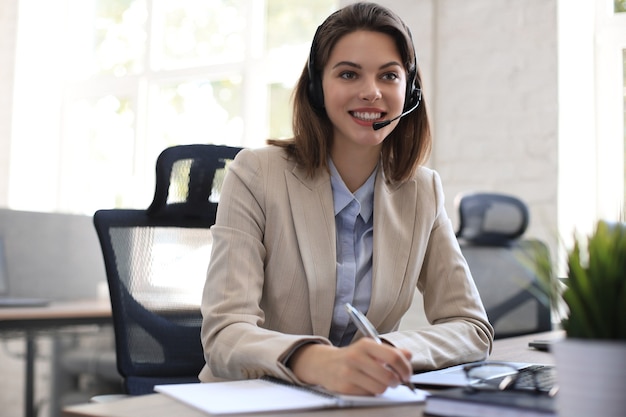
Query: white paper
(260, 395)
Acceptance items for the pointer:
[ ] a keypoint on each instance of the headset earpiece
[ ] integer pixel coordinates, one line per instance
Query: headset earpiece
(410, 94)
(413, 90)
(316, 92)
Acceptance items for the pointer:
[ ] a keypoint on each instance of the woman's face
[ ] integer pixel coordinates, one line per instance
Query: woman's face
(364, 81)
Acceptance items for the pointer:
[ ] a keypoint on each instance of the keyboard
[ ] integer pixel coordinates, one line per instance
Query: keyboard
(536, 378)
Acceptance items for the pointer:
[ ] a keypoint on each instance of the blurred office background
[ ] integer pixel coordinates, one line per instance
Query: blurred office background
(525, 98)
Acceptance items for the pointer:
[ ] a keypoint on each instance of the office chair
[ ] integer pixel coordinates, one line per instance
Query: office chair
(156, 262)
(490, 233)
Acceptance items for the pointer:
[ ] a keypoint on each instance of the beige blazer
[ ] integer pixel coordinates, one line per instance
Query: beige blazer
(271, 281)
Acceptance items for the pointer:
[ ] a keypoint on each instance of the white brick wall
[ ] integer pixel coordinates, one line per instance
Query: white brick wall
(496, 109)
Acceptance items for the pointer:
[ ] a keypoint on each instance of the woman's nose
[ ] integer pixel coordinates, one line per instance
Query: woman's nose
(370, 91)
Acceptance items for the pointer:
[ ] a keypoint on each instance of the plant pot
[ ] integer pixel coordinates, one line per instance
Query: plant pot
(591, 375)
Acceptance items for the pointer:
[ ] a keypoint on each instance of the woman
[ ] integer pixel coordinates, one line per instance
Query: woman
(343, 212)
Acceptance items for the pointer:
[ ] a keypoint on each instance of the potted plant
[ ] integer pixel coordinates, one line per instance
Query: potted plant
(591, 359)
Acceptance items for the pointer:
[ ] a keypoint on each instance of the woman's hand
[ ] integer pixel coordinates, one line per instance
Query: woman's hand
(362, 368)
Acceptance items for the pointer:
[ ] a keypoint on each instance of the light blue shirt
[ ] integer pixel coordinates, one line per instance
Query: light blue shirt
(354, 224)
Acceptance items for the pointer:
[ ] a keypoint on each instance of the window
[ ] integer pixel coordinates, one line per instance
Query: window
(624, 121)
(592, 142)
(124, 79)
(619, 6)
(611, 107)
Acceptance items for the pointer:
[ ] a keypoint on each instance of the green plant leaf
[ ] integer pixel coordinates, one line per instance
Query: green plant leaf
(596, 289)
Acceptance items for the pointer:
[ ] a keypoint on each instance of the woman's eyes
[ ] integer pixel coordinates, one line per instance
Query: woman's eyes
(391, 76)
(351, 75)
(348, 75)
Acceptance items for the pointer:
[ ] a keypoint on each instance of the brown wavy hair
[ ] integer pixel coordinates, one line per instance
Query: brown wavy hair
(406, 147)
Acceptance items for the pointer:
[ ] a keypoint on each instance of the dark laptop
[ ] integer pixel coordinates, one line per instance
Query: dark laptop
(530, 375)
(5, 299)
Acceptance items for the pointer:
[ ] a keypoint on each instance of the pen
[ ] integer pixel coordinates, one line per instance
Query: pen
(368, 329)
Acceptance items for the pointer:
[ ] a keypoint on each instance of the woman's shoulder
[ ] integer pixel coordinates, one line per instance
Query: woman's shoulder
(425, 176)
(267, 153)
(265, 160)
(426, 181)
(425, 172)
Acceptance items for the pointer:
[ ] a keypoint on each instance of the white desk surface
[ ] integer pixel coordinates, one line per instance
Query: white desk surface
(158, 405)
(58, 310)
(54, 315)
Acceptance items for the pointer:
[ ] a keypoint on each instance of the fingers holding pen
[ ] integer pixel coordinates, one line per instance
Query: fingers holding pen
(363, 368)
(374, 367)
(389, 363)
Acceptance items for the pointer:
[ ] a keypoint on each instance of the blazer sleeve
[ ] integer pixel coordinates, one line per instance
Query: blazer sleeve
(460, 331)
(236, 341)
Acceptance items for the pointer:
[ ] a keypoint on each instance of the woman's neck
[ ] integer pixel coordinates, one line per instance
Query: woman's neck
(355, 166)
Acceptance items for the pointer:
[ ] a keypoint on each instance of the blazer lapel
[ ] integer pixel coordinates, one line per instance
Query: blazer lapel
(314, 221)
(394, 219)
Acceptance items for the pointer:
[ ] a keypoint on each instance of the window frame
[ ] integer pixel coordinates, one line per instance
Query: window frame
(610, 44)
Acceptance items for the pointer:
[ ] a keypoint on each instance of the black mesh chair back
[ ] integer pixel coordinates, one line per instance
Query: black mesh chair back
(502, 262)
(156, 262)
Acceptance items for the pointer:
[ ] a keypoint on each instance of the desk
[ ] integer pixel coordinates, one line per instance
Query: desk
(158, 405)
(31, 321)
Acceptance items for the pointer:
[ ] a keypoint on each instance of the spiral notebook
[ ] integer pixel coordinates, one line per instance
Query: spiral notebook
(268, 395)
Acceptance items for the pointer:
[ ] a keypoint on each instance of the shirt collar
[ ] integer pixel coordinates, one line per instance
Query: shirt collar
(342, 195)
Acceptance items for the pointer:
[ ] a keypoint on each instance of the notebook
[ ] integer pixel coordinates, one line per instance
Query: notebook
(273, 395)
(5, 299)
(454, 376)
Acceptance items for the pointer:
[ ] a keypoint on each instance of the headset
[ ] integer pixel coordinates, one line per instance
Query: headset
(413, 94)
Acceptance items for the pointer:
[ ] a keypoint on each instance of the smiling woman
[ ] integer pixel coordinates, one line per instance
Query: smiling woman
(341, 213)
